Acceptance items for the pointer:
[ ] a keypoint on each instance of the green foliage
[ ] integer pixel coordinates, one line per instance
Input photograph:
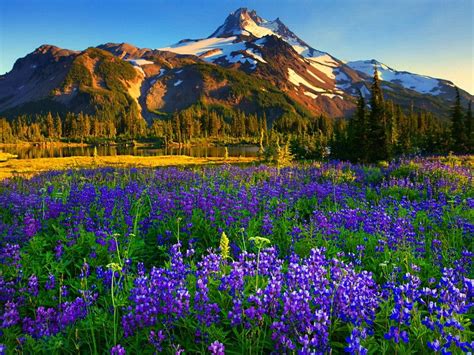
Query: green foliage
(78, 75)
(458, 128)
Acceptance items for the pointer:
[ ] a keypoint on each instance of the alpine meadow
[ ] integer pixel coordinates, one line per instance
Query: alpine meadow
(240, 192)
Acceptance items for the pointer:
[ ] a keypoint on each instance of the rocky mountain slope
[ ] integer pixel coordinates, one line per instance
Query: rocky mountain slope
(248, 63)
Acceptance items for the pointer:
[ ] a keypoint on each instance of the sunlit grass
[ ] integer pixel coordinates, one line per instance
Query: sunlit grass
(28, 167)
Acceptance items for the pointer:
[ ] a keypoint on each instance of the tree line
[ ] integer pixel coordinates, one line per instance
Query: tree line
(180, 127)
(378, 130)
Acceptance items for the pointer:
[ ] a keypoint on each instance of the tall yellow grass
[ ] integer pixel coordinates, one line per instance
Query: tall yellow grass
(29, 167)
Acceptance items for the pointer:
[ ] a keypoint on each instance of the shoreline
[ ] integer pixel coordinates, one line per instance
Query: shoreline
(208, 142)
(44, 145)
(29, 167)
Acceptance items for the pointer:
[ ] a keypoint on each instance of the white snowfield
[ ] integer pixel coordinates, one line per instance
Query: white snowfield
(297, 80)
(224, 47)
(325, 67)
(419, 83)
(139, 62)
(178, 82)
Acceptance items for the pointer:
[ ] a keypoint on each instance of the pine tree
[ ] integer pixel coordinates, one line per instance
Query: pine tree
(376, 134)
(263, 126)
(50, 129)
(469, 129)
(6, 134)
(458, 136)
(358, 130)
(111, 129)
(58, 127)
(261, 149)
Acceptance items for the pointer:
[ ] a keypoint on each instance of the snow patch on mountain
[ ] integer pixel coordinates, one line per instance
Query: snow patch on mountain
(256, 55)
(260, 42)
(178, 82)
(139, 62)
(343, 82)
(420, 83)
(332, 96)
(315, 76)
(224, 47)
(162, 72)
(258, 31)
(298, 80)
(240, 58)
(325, 64)
(310, 94)
(323, 68)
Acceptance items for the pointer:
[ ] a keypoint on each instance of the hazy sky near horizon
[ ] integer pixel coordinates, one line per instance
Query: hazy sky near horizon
(429, 37)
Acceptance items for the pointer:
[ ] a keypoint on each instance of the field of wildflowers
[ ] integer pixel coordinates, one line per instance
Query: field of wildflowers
(321, 258)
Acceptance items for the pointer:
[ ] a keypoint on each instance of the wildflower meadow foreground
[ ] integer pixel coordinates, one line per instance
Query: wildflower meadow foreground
(320, 258)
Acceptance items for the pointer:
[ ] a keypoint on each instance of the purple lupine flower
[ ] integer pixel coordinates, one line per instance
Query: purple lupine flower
(217, 348)
(118, 350)
(33, 285)
(156, 339)
(10, 316)
(50, 283)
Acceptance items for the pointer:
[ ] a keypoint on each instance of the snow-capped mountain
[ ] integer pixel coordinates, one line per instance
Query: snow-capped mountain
(248, 63)
(325, 79)
(270, 50)
(419, 83)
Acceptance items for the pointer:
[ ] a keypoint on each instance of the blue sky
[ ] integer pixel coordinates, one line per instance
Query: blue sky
(430, 37)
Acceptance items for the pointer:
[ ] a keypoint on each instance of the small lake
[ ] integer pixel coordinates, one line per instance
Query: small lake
(32, 152)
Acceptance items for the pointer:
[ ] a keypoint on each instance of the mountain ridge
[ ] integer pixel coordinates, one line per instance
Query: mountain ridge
(245, 42)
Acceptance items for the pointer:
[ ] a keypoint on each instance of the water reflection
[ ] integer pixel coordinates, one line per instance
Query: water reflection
(32, 152)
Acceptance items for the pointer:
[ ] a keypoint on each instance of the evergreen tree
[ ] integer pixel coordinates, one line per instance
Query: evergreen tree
(458, 137)
(391, 129)
(58, 126)
(265, 127)
(176, 122)
(111, 130)
(340, 142)
(469, 129)
(358, 131)
(50, 127)
(376, 125)
(6, 133)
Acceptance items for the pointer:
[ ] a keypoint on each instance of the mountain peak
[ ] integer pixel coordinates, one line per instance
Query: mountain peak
(242, 22)
(51, 51)
(245, 22)
(45, 48)
(243, 14)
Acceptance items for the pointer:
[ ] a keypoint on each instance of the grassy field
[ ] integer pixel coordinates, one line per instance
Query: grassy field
(10, 167)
